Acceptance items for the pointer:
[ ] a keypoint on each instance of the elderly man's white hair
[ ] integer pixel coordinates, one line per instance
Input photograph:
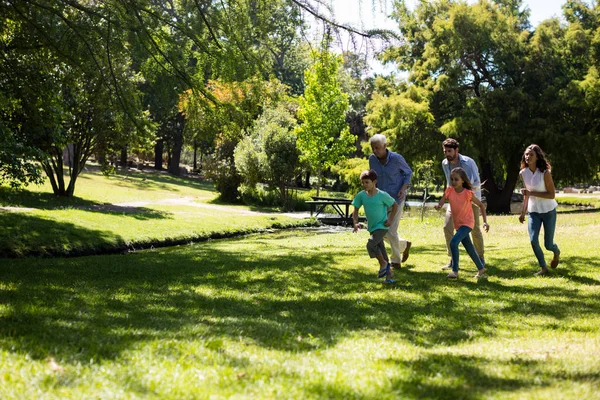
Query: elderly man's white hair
(378, 138)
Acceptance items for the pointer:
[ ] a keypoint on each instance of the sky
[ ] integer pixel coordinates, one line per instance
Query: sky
(360, 14)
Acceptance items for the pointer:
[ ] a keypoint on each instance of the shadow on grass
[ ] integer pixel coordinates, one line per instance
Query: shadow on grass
(49, 201)
(151, 179)
(23, 234)
(260, 289)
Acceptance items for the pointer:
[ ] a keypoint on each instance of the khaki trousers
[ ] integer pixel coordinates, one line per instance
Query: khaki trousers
(397, 243)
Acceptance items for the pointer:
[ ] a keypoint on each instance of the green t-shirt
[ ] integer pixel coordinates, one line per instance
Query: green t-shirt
(375, 208)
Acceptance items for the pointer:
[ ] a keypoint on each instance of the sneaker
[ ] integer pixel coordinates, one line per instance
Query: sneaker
(396, 265)
(447, 266)
(389, 281)
(405, 252)
(452, 275)
(482, 274)
(541, 272)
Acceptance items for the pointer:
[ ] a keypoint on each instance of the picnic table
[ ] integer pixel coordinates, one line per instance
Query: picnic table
(340, 206)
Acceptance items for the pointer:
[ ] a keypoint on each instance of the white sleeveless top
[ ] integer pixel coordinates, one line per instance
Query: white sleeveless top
(534, 182)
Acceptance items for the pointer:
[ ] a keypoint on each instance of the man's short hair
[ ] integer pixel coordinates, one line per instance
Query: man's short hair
(378, 138)
(451, 143)
(368, 174)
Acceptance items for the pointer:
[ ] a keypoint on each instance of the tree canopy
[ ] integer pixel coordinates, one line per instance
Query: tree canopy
(483, 76)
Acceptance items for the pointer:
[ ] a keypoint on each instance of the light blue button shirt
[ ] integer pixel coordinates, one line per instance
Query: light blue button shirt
(391, 175)
(470, 167)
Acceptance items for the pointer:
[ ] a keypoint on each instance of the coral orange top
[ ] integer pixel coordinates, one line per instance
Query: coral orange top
(460, 207)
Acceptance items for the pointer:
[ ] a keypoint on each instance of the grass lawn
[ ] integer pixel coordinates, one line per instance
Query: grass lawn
(125, 211)
(300, 315)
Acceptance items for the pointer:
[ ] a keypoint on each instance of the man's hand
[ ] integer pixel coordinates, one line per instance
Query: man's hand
(521, 218)
(356, 228)
(387, 222)
(401, 195)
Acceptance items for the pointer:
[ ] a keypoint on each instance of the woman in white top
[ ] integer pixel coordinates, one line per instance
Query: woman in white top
(539, 202)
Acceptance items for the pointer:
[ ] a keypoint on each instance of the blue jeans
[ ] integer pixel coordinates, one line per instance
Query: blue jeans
(462, 236)
(534, 224)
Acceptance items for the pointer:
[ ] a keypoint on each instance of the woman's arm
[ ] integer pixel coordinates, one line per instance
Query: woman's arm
(525, 201)
(550, 192)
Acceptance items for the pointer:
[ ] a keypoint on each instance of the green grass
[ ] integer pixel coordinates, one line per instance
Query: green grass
(101, 218)
(582, 200)
(300, 315)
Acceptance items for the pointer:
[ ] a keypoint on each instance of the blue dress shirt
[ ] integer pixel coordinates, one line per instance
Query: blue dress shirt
(391, 175)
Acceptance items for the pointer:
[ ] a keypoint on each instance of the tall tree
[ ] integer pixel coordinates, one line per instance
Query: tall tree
(493, 84)
(323, 135)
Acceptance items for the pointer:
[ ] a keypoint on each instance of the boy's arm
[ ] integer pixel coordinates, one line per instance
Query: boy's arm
(391, 215)
(478, 202)
(355, 219)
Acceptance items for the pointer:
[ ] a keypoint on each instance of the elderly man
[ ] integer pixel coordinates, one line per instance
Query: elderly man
(393, 177)
(453, 160)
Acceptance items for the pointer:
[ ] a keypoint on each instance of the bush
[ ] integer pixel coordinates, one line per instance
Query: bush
(349, 171)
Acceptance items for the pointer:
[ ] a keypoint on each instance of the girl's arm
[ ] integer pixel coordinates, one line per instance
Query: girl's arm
(525, 201)
(478, 202)
(391, 215)
(550, 192)
(441, 202)
(355, 219)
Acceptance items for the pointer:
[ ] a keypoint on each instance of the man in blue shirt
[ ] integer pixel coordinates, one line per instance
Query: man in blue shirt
(453, 160)
(393, 177)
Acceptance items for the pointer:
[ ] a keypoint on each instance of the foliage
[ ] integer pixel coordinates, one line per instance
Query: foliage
(269, 153)
(497, 86)
(349, 171)
(407, 122)
(323, 136)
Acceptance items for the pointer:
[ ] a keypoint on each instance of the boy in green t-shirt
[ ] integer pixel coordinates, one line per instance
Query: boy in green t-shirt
(376, 203)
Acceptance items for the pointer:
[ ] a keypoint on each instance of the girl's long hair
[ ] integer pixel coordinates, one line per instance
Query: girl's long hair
(541, 163)
(463, 175)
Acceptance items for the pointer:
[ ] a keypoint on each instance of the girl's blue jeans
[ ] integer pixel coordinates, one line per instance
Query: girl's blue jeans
(534, 224)
(462, 236)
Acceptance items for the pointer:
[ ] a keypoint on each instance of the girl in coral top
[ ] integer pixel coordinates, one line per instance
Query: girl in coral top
(460, 196)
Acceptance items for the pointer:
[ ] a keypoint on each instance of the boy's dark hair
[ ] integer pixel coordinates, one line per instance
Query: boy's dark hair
(450, 143)
(368, 174)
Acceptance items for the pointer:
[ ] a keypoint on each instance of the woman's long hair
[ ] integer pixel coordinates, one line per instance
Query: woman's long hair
(463, 175)
(541, 163)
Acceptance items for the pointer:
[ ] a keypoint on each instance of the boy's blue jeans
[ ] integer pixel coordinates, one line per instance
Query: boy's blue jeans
(462, 236)
(534, 225)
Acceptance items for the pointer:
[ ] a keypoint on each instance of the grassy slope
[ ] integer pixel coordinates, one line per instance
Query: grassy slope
(300, 315)
(89, 223)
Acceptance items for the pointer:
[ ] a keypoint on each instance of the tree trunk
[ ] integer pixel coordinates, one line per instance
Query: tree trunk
(158, 153)
(498, 200)
(307, 180)
(195, 167)
(123, 160)
(177, 145)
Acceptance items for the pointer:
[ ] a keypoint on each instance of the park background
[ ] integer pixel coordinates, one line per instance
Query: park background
(134, 134)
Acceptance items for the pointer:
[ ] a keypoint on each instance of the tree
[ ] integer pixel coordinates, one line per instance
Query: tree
(493, 84)
(323, 135)
(270, 153)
